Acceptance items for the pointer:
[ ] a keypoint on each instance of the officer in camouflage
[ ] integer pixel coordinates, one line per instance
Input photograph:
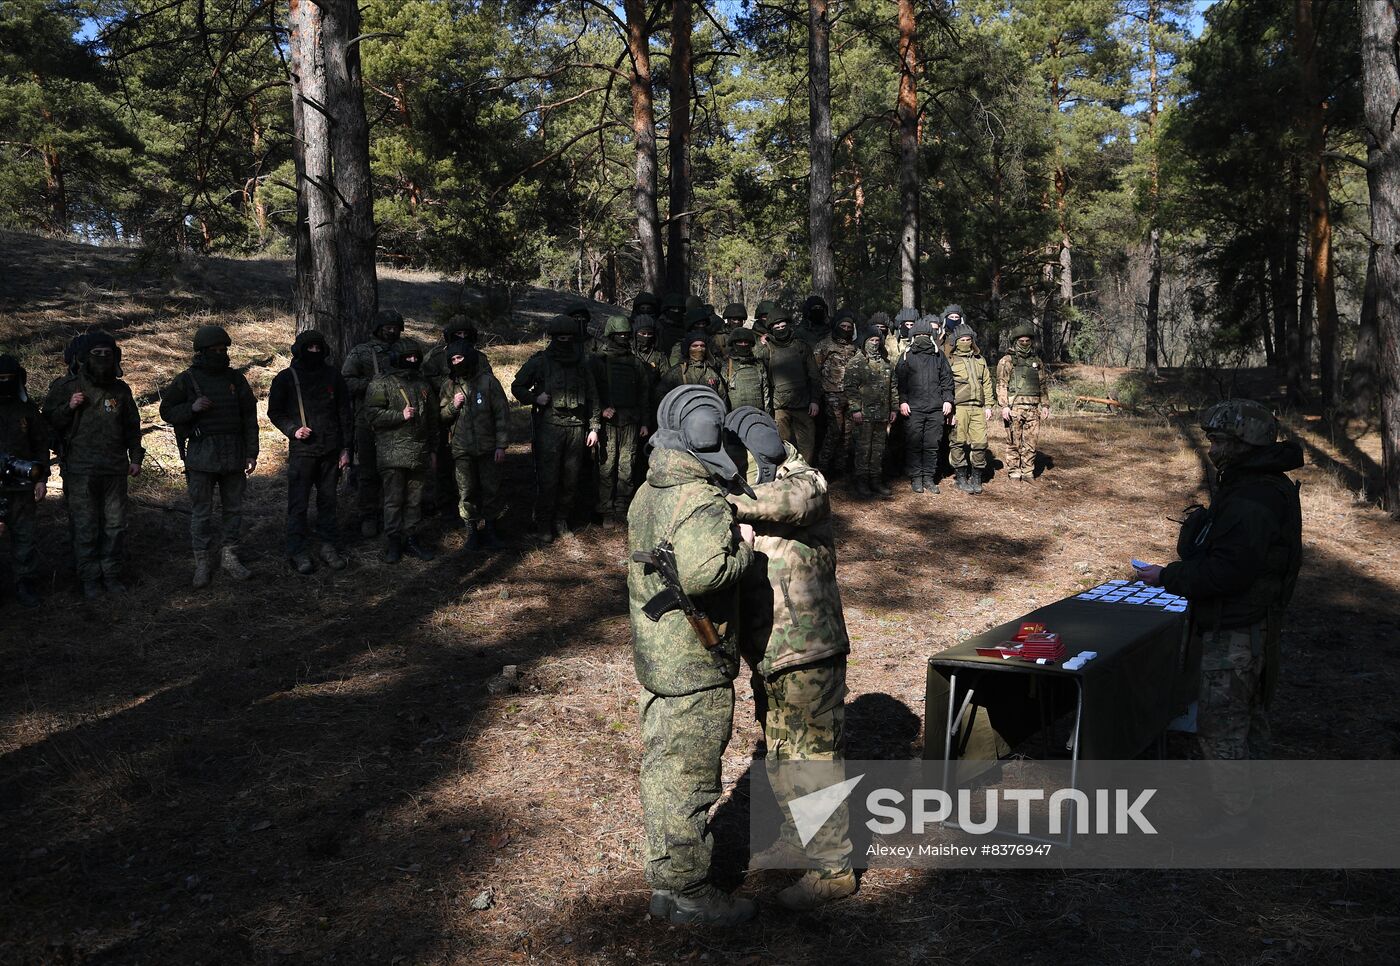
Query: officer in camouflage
(687, 697)
(558, 385)
(873, 398)
(473, 404)
(402, 408)
(1239, 561)
(793, 636)
(215, 417)
(645, 348)
(796, 381)
(362, 364)
(24, 435)
(761, 314)
(833, 356)
(967, 444)
(745, 374)
(458, 328)
(626, 391)
(735, 315)
(1024, 397)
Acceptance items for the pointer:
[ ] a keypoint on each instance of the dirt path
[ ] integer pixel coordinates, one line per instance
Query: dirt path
(308, 770)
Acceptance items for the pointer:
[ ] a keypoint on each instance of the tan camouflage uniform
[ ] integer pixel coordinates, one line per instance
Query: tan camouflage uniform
(793, 636)
(1022, 388)
(834, 358)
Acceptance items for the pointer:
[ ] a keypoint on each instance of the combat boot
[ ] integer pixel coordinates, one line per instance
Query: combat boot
(473, 536)
(417, 549)
(561, 528)
(332, 557)
(782, 854)
(932, 487)
(961, 480)
(393, 549)
(24, 593)
(301, 562)
(974, 479)
(203, 570)
(916, 483)
(881, 489)
(228, 559)
(711, 907)
(818, 888)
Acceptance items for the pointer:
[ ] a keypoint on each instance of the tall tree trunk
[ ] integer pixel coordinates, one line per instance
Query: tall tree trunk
(1299, 366)
(908, 113)
(1312, 124)
(819, 195)
(1380, 34)
(1154, 232)
(1361, 393)
(1066, 261)
(1270, 351)
(1306, 307)
(678, 244)
(354, 190)
(644, 142)
(318, 265)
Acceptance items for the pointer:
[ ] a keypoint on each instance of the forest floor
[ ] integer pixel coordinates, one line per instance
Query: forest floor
(314, 770)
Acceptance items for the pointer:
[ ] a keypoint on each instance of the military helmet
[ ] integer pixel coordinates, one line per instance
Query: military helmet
(697, 317)
(459, 322)
(208, 336)
(879, 318)
(561, 325)
(778, 315)
(906, 314)
(734, 310)
(673, 301)
(406, 346)
(694, 302)
(1025, 329)
(582, 310)
(743, 336)
(1242, 419)
(617, 325)
(643, 323)
(963, 331)
(766, 307)
(953, 314)
(387, 317)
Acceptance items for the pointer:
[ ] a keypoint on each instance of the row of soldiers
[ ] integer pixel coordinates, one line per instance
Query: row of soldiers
(838, 392)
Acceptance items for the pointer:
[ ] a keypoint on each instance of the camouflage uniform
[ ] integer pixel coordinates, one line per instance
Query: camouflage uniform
(475, 430)
(696, 372)
(746, 375)
(97, 445)
(219, 443)
(626, 386)
(833, 356)
(1239, 563)
(687, 698)
(436, 366)
(1022, 388)
(671, 325)
(561, 425)
(403, 447)
(793, 637)
(363, 364)
(796, 385)
(23, 435)
(974, 393)
(735, 315)
(874, 397)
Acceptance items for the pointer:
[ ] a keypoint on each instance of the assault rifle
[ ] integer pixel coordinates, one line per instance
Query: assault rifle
(671, 597)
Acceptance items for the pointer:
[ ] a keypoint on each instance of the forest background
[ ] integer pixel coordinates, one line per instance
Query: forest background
(1152, 182)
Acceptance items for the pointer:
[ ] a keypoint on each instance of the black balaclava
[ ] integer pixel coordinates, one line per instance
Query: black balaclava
(741, 343)
(922, 334)
(11, 378)
(845, 331)
(102, 369)
(471, 358)
(758, 434)
(783, 337)
(304, 356)
(563, 348)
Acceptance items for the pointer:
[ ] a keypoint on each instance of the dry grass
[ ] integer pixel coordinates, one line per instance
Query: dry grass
(313, 769)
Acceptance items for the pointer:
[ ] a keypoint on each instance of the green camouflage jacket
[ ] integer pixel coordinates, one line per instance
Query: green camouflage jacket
(219, 439)
(833, 358)
(870, 387)
(103, 436)
(362, 364)
(573, 393)
(402, 443)
(482, 425)
(679, 502)
(747, 381)
(791, 606)
(972, 379)
(792, 372)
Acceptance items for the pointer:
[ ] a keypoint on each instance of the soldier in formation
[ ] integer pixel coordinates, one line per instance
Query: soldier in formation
(1024, 397)
(401, 407)
(626, 397)
(873, 400)
(24, 436)
(436, 365)
(362, 364)
(310, 403)
(833, 356)
(926, 399)
(967, 449)
(215, 416)
(473, 407)
(696, 367)
(796, 383)
(558, 385)
(745, 374)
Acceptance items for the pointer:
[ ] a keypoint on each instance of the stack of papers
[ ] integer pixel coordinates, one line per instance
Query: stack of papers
(1134, 593)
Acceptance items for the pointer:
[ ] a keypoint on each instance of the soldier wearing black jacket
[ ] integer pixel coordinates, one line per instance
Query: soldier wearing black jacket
(310, 403)
(926, 394)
